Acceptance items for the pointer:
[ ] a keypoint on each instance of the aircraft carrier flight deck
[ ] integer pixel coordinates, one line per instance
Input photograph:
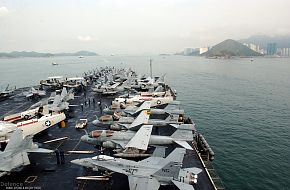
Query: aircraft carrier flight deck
(55, 171)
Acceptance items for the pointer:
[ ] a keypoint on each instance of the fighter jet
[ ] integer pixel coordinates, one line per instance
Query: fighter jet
(170, 108)
(5, 94)
(133, 110)
(112, 88)
(142, 118)
(148, 174)
(33, 93)
(15, 154)
(55, 102)
(60, 102)
(135, 144)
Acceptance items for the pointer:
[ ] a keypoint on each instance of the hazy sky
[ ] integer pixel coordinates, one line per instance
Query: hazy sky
(135, 26)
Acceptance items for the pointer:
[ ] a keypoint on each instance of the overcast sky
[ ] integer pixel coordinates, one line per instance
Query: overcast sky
(135, 26)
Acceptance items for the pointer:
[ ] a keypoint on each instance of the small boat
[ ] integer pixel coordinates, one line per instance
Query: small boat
(54, 63)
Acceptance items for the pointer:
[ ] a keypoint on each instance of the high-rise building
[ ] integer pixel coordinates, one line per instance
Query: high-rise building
(285, 52)
(271, 48)
(203, 50)
(253, 47)
(188, 51)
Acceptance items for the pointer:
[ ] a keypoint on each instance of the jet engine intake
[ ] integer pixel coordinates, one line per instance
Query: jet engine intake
(109, 144)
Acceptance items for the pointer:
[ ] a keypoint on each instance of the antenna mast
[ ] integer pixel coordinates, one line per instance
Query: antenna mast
(151, 68)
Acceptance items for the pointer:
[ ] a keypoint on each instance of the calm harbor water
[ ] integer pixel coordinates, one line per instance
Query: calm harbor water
(241, 107)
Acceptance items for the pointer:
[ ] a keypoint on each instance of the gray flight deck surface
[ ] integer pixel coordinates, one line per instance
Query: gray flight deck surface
(45, 173)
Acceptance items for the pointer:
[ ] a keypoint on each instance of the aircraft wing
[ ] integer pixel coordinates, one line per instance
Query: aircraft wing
(29, 95)
(193, 170)
(145, 106)
(114, 85)
(184, 144)
(121, 143)
(143, 183)
(182, 186)
(40, 150)
(142, 118)
(141, 138)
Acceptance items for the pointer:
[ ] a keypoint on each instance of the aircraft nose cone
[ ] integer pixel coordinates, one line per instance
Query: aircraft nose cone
(84, 138)
(76, 161)
(106, 110)
(96, 122)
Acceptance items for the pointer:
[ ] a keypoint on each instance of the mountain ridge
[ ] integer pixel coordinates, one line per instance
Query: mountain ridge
(282, 41)
(16, 54)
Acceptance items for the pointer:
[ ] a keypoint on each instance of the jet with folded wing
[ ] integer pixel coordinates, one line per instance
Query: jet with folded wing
(148, 174)
(15, 154)
(134, 144)
(34, 93)
(142, 118)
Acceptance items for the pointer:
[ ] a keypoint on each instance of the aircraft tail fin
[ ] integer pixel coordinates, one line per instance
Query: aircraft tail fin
(63, 93)
(16, 149)
(169, 170)
(16, 140)
(172, 163)
(7, 87)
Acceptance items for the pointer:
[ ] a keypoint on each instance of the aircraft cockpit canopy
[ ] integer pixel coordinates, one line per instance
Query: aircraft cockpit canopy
(103, 133)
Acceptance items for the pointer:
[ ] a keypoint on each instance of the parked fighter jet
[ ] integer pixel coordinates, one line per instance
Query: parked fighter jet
(134, 144)
(56, 102)
(33, 93)
(134, 109)
(15, 154)
(142, 118)
(5, 94)
(112, 88)
(150, 173)
(123, 122)
(60, 102)
(170, 108)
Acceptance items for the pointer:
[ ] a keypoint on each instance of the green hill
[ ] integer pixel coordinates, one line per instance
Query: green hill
(230, 48)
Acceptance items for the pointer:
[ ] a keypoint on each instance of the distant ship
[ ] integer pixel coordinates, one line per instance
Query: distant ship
(81, 56)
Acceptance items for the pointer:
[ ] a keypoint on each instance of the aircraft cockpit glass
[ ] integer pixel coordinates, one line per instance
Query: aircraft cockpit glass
(98, 133)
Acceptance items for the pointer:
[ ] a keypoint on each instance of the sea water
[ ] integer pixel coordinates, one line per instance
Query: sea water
(241, 106)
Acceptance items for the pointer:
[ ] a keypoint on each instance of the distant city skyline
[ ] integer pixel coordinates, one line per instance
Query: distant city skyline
(135, 27)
